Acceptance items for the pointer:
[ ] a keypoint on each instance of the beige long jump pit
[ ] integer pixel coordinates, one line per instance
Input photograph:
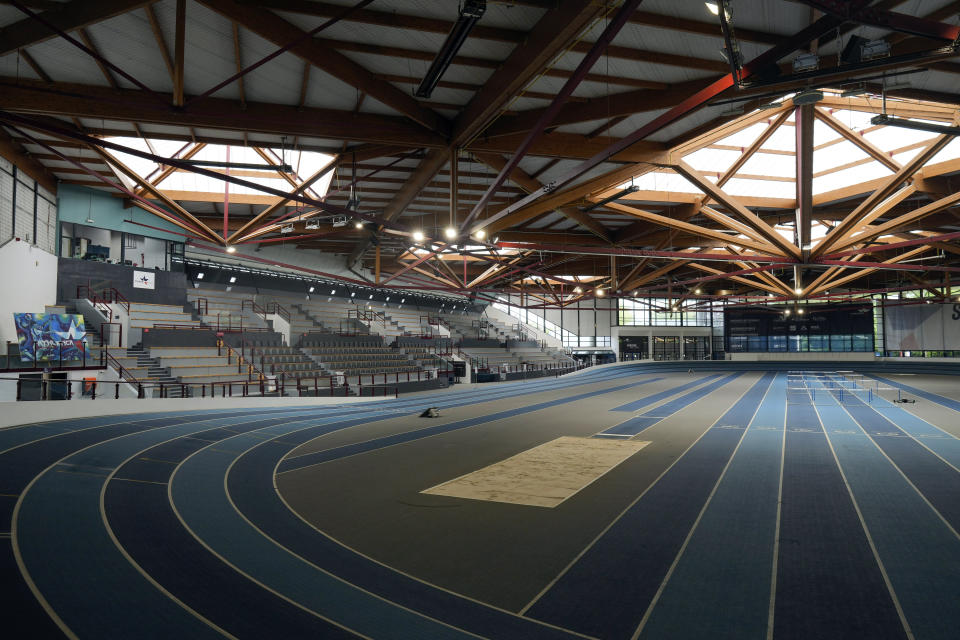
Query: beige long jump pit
(544, 476)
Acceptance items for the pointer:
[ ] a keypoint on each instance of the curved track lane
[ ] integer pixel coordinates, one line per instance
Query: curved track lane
(169, 524)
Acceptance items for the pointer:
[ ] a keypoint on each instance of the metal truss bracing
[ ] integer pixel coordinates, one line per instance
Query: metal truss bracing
(559, 155)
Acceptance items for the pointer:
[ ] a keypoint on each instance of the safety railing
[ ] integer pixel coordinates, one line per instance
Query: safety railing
(257, 309)
(278, 309)
(112, 296)
(122, 371)
(98, 302)
(237, 356)
(50, 364)
(435, 321)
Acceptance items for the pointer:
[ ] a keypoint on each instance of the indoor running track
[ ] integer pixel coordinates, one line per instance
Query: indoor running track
(801, 520)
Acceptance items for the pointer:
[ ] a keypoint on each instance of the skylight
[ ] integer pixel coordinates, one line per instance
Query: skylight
(771, 171)
(303, 164)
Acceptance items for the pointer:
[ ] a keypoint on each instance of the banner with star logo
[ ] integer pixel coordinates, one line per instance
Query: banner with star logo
(46, 337)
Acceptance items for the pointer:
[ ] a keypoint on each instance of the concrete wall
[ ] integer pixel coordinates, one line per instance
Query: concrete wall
(170, 288)
(253, 255)
(28, 283)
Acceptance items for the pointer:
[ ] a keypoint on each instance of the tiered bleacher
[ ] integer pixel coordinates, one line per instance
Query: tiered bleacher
(228, 310)
(335, 344)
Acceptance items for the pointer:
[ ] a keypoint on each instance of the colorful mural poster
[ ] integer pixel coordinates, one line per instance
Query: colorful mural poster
(46, 337)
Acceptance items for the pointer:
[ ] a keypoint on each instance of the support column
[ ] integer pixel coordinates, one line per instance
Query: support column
(803, 117)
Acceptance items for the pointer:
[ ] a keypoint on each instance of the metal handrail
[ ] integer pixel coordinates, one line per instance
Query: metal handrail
(276, 308)
(113, 296)
(124, 373)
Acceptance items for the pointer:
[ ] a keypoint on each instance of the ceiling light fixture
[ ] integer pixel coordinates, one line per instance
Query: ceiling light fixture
(713, 8)
(358, 224)
(231, 249)
(479, 234)
(418, 236)
(233, 279)
(904, 123)
(310, 290)
(450, 233)
(470, 14)
(200, 276)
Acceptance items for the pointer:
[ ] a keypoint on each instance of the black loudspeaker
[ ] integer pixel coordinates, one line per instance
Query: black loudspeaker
(851, 52)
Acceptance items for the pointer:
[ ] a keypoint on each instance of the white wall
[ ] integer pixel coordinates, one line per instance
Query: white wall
(28, 285)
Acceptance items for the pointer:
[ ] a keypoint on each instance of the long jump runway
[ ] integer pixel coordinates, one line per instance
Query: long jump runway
(737, 513)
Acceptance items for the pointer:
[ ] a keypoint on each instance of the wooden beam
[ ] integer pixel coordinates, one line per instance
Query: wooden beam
(859, 273)
(21, 158)
(272, 27)
(428, 167)
(554, 31)
(846, 227)
(529, 185)
(694, 229)
(161, 42)
(239, 62)
(753, 148)
(87, 101)
(753, 284)
(149, 188)
(179, 43)
(865, 145)
(897, 223)
(736, 208)
(270, 210)
(168, 170)
(67, 17)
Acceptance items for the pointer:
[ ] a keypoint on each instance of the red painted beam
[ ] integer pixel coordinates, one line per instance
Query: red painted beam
(896, 245)
(887, 266)
(822, 26)
(643, 253)
(625, 12)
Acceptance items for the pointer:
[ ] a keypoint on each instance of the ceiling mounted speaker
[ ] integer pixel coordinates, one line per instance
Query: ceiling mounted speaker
(809, 96)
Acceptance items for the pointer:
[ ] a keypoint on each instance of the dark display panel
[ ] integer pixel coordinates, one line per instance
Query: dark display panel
(847, 327)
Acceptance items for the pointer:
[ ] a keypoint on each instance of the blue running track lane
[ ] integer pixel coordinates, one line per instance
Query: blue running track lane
(950, 403)
(720, 588)
(944, 444)
(829, 584)
(143, 521)
(936, 479)
(71, 558)
(320, 457)
(634, 426)
(606, 591)
(26, 450)
(30, 453)
(259, 503)
(657, 397)
(919, 551)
